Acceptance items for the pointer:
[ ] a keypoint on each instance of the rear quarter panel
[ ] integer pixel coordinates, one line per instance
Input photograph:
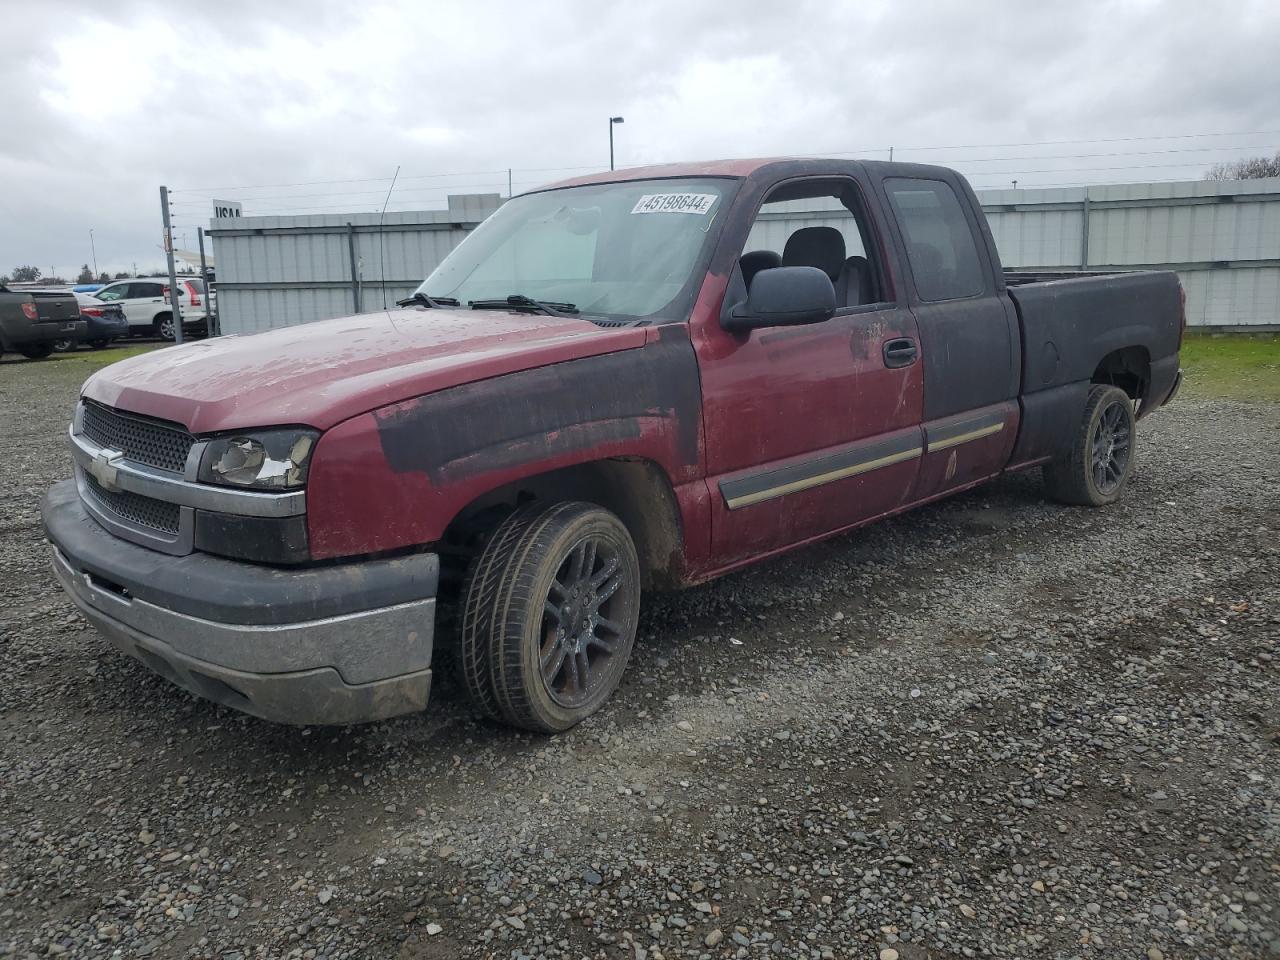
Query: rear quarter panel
(1069, 327)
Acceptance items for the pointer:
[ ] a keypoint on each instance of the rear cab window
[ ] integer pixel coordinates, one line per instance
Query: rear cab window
(941, 248)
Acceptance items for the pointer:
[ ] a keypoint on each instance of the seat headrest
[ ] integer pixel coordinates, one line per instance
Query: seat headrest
(756, 260)
(821, 247)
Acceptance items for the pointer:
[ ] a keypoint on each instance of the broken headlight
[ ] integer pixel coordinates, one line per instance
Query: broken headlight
(266, 460)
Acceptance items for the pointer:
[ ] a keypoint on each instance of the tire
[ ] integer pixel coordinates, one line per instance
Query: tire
(65, 345)
(100, 343)
(1102, 456)
(163, 326)
(36, 351)
(549, 616)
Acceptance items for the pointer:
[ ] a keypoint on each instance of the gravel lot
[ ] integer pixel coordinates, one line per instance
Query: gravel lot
(992, 728)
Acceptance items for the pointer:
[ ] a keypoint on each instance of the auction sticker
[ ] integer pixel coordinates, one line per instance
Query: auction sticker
(699, 203)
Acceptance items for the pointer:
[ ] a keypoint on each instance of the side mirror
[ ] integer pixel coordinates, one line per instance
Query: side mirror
(784, 297)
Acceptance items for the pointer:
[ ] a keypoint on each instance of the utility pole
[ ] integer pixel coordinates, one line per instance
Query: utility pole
(93, 250)
(175, 297)
(211, 319)
(509, 175)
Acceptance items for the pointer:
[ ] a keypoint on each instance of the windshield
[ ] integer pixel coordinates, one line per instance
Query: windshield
(617, 250)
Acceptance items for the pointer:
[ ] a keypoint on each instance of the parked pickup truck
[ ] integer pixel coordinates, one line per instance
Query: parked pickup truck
(32, 321)
(624, 382)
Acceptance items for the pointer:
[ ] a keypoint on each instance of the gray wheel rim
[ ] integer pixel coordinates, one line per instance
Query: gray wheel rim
(166, 329)
(1111, 447)
(581, 628)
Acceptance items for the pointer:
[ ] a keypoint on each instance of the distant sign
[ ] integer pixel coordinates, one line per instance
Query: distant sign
(223, 209)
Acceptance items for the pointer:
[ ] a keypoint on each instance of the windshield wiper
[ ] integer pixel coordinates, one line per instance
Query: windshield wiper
(518, 301)
(424, 300)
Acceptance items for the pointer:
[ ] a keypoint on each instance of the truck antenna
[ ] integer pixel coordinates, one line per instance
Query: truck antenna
(382, 263)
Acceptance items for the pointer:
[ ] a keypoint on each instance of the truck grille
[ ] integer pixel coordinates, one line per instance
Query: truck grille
(141, 439)
(132, 508)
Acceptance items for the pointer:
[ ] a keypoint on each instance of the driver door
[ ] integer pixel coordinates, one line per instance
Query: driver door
(811, 429)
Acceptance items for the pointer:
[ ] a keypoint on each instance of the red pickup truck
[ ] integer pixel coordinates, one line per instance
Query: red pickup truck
(630, 381)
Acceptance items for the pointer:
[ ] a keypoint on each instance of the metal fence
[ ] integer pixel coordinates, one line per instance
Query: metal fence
(280, 271)
(1223, 239)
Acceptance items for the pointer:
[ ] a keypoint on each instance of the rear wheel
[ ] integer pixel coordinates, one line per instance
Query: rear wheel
(164, 326)
(549, 615)
(36, 351)
(64, 345)
(1101, 460)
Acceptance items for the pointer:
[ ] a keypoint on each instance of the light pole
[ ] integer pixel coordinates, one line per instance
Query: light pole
(94, 251)
(612, 121)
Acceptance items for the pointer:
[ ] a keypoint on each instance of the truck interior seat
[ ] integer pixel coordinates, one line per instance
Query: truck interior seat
(821, 247)
(861, 283)
(754, 261)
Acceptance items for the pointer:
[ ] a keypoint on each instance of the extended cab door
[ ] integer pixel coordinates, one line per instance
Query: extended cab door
(968, 331)
(810, 429)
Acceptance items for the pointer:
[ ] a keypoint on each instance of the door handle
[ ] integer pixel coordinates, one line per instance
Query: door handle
(901, 352)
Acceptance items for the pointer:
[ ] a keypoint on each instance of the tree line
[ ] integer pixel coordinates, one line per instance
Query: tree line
(1250, 168)
(29, 274)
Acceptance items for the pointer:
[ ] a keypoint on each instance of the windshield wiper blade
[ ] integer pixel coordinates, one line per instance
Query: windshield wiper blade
(426, 301)
(518, 301)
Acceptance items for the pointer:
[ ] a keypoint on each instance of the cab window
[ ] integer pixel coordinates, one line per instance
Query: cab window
(940, 246)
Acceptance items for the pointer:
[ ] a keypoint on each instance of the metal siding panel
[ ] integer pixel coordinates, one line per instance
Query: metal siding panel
(1201, 232)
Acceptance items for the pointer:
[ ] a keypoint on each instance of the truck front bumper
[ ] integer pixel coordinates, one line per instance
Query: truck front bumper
(326, 645)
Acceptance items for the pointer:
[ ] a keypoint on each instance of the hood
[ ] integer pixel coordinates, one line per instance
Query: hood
(319, 374)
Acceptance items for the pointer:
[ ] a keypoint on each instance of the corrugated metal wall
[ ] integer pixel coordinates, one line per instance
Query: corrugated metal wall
(279, 271)
(1223, 238)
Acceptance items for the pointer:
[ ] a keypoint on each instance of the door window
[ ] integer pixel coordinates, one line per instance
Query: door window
(141, 291)
(816, 223)
(118, 292)
(940, 246)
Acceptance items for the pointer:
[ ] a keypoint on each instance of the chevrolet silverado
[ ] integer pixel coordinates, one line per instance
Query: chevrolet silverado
(637, 380)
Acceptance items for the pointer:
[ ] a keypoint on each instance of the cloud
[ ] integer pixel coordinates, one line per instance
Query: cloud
(101, 103)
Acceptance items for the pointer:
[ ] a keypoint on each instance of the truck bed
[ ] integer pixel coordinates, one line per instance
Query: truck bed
(1072, 322)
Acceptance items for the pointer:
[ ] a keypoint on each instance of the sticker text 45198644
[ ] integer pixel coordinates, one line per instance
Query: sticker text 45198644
(698, 203)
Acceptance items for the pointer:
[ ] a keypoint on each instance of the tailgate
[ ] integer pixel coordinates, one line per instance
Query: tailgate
(52, 307)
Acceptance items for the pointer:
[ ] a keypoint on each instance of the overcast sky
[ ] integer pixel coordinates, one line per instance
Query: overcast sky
(101, 101)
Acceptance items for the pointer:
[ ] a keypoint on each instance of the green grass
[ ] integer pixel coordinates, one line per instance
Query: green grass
(1240, 366)
(100, 358)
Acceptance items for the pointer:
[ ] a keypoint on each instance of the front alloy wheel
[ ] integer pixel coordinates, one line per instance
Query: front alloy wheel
(580, 636)
(549, 615)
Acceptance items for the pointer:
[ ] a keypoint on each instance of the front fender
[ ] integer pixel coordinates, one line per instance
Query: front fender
(397, 476)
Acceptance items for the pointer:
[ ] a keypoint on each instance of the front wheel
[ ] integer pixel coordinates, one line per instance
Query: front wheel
(100, 343)
(1101, 460)
(164, 326)
(549, 615)
(64, 346)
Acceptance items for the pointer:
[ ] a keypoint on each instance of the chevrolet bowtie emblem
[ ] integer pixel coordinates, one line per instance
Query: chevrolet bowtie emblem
(103, 468)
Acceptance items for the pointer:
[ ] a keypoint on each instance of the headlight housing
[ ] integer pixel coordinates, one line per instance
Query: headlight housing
(262, 460)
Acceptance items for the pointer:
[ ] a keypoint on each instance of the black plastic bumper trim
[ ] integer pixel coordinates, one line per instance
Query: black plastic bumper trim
(229, 591)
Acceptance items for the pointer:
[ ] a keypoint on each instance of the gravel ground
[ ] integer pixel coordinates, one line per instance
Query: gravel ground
(993, 728)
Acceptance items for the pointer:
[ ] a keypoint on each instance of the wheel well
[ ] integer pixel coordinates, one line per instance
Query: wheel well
(1129, 369)
(637, 491)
